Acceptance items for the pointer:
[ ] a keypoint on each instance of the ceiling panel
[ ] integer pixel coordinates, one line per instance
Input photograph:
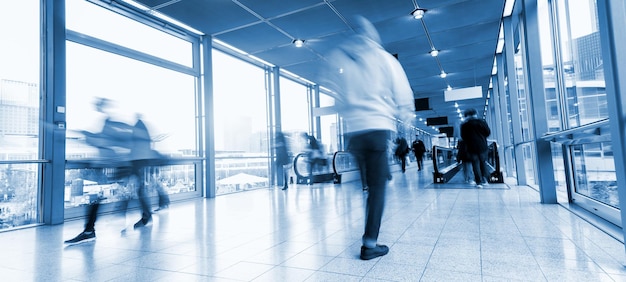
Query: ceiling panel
(210, 17)
(321, 21)
(464, 31)
(255, 38)
(273, 8)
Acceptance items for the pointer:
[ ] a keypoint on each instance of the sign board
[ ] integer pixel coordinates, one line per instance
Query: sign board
(463, 93)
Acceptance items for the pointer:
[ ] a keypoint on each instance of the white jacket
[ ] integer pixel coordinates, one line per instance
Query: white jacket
(370, 85)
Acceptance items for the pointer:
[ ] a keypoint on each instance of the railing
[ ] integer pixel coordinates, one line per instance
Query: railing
(87, 180)
(594, 132)
(312, 171)
(445, 165)
(493, 162)
(342, 167)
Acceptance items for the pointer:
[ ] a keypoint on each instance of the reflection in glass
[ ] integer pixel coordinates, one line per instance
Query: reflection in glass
(553, 106)
(528, 150)
(84, 185)
(19, 195)
(594, 172)
(523, 103)
(559, 172)
(581, 54)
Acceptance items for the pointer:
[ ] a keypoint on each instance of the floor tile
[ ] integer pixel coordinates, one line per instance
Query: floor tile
(313, 233)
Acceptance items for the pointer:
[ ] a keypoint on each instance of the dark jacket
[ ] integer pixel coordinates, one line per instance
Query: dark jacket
(474, 133)
(282, 152)
(419, 148)
(402, 148)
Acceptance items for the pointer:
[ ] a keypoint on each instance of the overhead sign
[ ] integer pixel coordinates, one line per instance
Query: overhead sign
(463, 93)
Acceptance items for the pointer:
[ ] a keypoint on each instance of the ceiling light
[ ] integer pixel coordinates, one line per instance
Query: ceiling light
(298, 42)
(449, 88)
(434, 53)
(443, 74)
(418, 13)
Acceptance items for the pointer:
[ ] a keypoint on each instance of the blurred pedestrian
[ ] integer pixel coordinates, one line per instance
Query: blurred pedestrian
(474, 132)
(315, 155)
(402, 150)
(419, 149)
(142, 157)
(283, 159)
(137, 142)
(371, 91)
(465, 160)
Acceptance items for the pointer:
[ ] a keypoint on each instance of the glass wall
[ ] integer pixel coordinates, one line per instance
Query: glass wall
(241, 125)
(20, 68)
(583, 97)
(524, 110)
(553, 104)
(581, 54)
(295, 113)
(138, 80)
(328, 124)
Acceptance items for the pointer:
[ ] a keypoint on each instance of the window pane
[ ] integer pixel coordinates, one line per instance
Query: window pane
(594, 172)
(19, 80)
(87, 18)
(523, 102)
(19, 111)
(294, 106)
(559, 172)
(164, 98)
(549, 69)
(582, 58)
(240, 120)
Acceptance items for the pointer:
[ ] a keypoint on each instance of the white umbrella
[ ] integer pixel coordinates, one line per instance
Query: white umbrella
(241, 178)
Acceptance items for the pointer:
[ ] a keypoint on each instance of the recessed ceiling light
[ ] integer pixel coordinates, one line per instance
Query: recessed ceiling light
(418, 13)
(298, 42)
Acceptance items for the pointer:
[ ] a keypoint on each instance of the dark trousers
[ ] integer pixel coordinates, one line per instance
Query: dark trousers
(92, 215)
(420, 161)
(479, 167)
(370, 149)
(403, 161)
(139, 170)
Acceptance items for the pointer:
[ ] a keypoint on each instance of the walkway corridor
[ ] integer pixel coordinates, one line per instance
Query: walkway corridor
(449, 232)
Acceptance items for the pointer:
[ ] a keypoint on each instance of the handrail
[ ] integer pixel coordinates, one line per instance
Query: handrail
(23, 161)
(493, 159)
(446, 158)
(589, 133)
(85, 163)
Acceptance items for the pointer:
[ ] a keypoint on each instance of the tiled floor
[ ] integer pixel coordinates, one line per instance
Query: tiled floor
(450, 232)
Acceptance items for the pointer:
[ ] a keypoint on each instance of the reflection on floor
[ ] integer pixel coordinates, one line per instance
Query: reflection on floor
(312, 233)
